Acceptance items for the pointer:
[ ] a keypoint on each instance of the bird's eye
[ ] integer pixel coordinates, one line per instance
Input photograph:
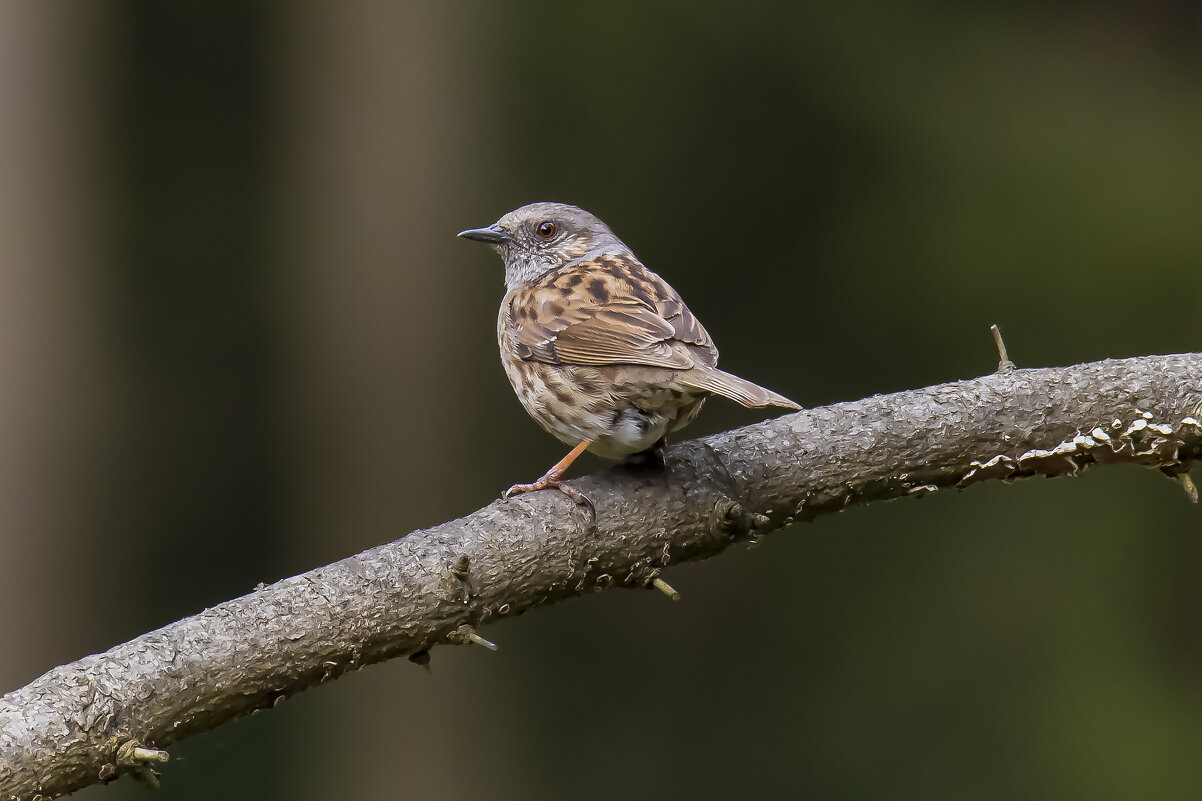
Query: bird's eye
(546, 229)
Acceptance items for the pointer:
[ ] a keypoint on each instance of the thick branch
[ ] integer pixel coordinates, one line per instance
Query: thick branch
(108, 713)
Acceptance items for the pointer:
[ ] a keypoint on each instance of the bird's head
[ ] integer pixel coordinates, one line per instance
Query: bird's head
(542, 237)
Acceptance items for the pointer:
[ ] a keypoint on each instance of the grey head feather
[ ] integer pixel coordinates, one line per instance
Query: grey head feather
(529, 254)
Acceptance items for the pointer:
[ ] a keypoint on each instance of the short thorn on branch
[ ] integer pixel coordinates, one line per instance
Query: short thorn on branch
(666, 588)
(466, 635)
(132, 755)
(137, 760)
(1004, 364)
(1187, 484)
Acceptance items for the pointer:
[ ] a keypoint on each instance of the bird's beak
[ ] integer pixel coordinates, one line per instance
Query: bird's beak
(493, 235)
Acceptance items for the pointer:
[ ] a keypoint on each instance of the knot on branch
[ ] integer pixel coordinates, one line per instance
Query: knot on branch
(462, 571)
(732, 521)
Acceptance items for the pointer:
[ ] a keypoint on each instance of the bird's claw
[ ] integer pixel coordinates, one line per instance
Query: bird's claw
(553, 483)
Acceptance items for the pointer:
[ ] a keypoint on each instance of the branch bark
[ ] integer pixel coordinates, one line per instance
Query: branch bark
(108, 714)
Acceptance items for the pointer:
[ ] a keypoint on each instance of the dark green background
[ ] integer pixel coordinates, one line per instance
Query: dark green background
(241, 341)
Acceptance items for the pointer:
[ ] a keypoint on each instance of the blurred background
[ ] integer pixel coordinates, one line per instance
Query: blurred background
(239, 339)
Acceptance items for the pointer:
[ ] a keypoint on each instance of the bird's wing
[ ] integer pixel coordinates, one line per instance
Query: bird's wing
(608, 310)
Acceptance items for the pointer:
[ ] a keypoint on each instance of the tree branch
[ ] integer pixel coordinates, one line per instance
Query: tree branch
(109, 714)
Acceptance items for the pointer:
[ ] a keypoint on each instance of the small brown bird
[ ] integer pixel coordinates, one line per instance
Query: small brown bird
(601, 352)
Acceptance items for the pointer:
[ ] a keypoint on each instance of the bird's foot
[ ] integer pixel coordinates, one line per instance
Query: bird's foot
(552, 480)
(656, 456)
(659, 452)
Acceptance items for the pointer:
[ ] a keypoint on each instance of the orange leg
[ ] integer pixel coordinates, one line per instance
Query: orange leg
(553, 478)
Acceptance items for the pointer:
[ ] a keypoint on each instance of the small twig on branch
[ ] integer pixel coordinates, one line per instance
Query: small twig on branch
(666, 588)
(1004, 364)
(466, 635)
(1187, 484)
(68, 729)
(132, 755)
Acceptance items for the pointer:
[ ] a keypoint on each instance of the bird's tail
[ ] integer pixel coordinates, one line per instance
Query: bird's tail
(737, 389)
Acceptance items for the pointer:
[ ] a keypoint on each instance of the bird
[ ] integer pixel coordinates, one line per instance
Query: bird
(601, 352)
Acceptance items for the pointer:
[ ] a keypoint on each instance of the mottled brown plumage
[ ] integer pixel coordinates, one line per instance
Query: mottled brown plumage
(601, 351)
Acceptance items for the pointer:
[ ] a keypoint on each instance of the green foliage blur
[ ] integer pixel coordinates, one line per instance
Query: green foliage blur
(242, 340)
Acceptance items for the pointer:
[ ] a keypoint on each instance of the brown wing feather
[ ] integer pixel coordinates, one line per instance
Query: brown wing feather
(737, 389)
(608, 310)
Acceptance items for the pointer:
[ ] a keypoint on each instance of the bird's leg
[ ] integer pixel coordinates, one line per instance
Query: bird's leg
(553, 478)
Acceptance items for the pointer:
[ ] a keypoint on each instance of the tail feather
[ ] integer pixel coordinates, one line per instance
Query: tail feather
(737, 389)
